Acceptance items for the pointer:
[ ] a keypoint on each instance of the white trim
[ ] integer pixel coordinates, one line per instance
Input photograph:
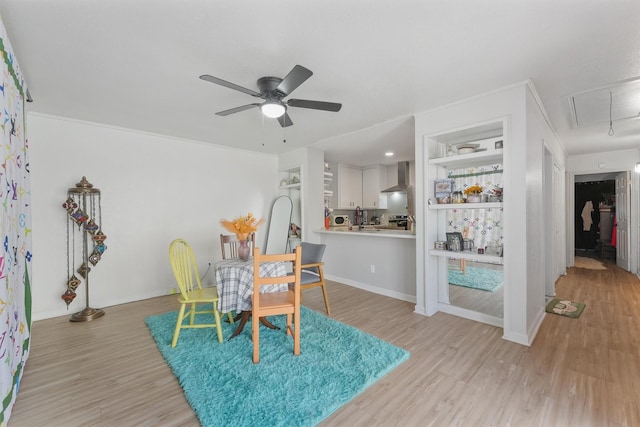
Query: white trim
(471, 315)
(536, 97)
(112, 302)
(145, 133)
(376, 290)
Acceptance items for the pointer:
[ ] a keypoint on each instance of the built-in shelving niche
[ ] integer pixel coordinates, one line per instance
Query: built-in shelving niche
(475, 304)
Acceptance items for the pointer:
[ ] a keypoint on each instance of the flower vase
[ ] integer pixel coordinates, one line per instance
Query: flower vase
(244, 251)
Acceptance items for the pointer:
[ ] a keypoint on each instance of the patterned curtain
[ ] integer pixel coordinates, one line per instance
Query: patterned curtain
(483, 226)
(15, 226)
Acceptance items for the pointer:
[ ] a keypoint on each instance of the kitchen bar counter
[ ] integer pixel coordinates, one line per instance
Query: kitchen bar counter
(383, 262)
(398, 234)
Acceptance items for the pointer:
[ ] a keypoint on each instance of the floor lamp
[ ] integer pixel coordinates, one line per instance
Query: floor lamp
(84, 214)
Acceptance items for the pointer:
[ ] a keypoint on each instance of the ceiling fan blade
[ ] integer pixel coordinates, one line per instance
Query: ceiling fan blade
(229, 85)
(285, 120)
(236, 110)
(316, 105)
(295, 78)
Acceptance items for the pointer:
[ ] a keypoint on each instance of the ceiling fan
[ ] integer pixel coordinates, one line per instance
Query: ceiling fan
(273, 90)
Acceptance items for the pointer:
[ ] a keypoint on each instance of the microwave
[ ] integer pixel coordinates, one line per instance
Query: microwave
(338, 220)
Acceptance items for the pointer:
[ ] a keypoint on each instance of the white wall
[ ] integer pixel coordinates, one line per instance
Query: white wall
(154, 189)
(523, 188)
(540, 219)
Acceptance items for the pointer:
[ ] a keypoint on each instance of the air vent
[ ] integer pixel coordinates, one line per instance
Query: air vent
(592, 106)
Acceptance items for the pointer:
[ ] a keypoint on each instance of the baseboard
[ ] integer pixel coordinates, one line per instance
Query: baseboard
(535, 327)
(376, 290)
(471, 315)
(96, 304)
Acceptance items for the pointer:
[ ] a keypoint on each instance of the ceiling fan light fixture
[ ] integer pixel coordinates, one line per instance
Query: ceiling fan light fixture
(273, 109)
(272, 90)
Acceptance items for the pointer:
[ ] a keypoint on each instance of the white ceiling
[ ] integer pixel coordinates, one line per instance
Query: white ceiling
(135, 64)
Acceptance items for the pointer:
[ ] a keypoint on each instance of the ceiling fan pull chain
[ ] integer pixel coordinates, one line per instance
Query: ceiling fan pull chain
(611, 132)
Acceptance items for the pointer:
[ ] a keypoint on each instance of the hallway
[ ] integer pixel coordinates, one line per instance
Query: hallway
(596, 359)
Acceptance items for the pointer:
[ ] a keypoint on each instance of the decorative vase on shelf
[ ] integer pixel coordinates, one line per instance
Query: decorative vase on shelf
(244, 251)
(474, 198)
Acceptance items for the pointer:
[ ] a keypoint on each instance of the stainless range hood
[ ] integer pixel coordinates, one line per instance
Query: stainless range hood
(403, 179)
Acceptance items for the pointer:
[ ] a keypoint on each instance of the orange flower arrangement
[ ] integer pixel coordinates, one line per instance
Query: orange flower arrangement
(474, 189)
(242, 226)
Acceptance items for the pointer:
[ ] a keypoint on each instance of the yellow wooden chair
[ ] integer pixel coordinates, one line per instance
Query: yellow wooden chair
(192, 294)
(229, 245)
(276, 303)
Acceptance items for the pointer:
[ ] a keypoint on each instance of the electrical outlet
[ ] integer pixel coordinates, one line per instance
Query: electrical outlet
(373, 268)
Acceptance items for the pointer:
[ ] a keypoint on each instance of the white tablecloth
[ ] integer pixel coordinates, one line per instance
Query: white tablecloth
(234, 279)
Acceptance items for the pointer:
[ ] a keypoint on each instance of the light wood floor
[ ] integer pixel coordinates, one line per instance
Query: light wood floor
(578, 372)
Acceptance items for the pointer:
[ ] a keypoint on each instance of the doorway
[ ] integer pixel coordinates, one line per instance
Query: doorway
(606, 233)
(595, 212)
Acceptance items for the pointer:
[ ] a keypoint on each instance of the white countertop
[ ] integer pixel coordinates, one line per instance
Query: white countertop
(398, 234)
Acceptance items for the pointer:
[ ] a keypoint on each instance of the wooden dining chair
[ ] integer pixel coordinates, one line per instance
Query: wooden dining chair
(192, 294)
(229, 245)
(276, 303)
(311, 275)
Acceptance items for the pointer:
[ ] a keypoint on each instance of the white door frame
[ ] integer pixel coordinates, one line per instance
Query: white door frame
(548, 231)
(570, 208)
(623, 223)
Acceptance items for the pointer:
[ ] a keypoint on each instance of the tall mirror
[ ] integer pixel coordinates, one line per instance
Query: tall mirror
(279, 221)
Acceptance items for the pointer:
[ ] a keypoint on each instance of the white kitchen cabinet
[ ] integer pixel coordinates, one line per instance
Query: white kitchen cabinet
(374, 180)
(349, 187)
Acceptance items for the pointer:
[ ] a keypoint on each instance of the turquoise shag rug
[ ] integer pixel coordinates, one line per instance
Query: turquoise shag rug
(225, 388)
(477, 278)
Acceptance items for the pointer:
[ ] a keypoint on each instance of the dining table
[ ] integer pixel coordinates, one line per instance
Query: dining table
(234, 279)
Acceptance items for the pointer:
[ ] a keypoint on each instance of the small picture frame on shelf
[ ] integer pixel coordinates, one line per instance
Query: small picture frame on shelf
(454, 241)
(443, 188)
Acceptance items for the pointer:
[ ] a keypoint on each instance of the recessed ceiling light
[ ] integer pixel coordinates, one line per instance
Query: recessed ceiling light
(389, 154)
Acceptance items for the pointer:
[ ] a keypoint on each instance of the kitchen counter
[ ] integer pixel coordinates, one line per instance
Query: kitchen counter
(373, 232)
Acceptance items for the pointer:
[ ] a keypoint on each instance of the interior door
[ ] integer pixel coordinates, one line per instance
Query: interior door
(622, 220)
(549, 220)
(558, 221)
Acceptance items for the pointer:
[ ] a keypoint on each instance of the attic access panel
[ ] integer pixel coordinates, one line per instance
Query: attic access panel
(592, 106)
